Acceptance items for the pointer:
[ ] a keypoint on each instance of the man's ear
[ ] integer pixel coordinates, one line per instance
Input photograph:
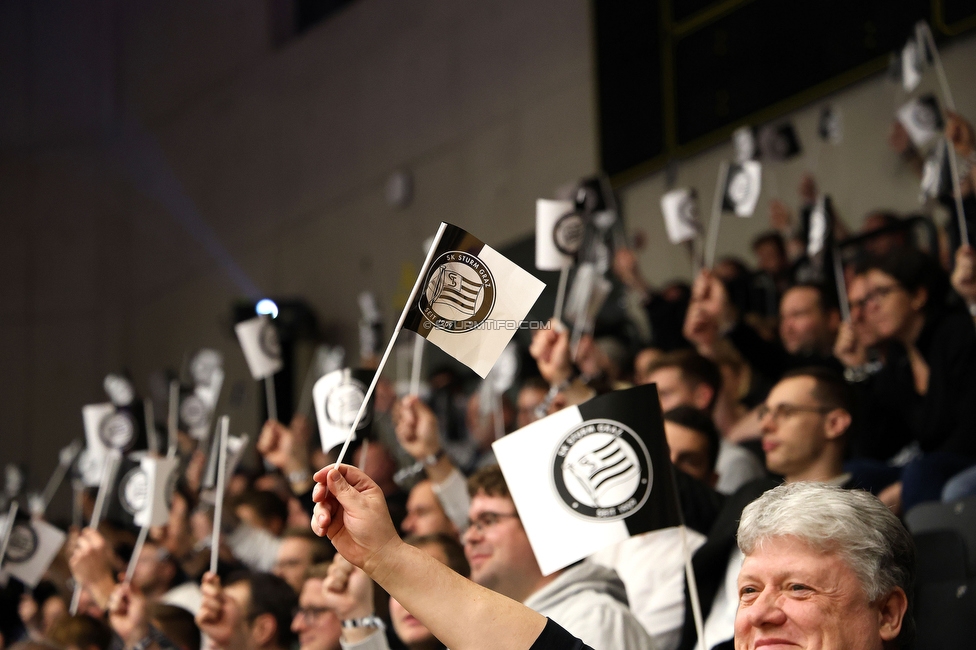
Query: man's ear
(837, 423)
(891, 614)
(703, 394)
(264, 629)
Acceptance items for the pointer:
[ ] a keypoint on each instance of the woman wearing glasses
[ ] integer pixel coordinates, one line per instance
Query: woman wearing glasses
(919, 410)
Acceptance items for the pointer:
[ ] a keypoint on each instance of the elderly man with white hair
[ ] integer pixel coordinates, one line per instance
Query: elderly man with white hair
(824, 568)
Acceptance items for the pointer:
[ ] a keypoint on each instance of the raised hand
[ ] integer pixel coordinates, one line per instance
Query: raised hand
(550, 349)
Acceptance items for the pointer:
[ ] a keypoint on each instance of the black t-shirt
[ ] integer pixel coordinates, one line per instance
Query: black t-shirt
(554, 637)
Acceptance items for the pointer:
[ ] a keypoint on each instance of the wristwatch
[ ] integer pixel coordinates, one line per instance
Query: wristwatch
(366, 621)
(431, 459)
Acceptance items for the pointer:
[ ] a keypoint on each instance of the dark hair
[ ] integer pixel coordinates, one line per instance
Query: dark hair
(322, 551)
(176, 623)
(270, 595)
(700, 422)
(489, 480)
(914, 270)
(829, 389)
(267, 505)
(770, 237)
(82, 631)
(452, 548)
(695, 369)
(826, 299)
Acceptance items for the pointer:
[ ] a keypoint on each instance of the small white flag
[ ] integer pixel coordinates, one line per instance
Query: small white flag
(742, 188)
(922, 119)
(817, 232)
(106, 428)
(259, 340)
(337, 397)
(680, 208)
(744, 144)
(471, 299)
(936, 174)
(590, 475)
(559, 230)
(161, 477)
(32, 547)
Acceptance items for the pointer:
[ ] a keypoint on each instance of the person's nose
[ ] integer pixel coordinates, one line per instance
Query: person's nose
(765, 610)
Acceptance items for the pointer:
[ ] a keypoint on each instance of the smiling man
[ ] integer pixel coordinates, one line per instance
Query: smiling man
(586, 599)
(825, 569)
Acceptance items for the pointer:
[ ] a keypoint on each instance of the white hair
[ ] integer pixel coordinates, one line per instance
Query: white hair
(851, 523)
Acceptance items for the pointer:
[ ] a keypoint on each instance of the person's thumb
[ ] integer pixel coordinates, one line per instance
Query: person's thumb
(339, 486)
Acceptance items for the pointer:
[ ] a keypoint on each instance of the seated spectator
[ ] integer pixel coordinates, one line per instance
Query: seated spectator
(300, 549)
(81, 632)
(316, 624)
(254, 611)
(262, 510)
(159, 577)
(823, 568)
(531, 394)
(425, 516)
(587, 599)
(693, 442)
(926, 391)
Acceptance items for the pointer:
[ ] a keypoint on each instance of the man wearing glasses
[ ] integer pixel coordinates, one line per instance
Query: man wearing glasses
(805, 422)
(586, 599)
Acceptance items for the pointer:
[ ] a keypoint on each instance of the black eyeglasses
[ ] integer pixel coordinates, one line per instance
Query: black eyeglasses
(487, 520)
(874, 295)
(310, 614)
(782, 411)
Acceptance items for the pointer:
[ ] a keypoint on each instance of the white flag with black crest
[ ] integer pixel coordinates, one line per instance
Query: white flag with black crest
(106, 428)
(236, 446)
(818, 228)
(590, 476)
(559, 230)
(337, 397)
(742, 188)
(922, 119)
(32, 546)
(744, 144)
(259, 340)
(936, 174)
(680, 209)
(161, 477)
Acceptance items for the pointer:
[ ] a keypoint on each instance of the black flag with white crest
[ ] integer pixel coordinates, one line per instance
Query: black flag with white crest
(338, 397)
(742, 187)
(680, 209)
(778, 142)
(922, 119)
(590, 475)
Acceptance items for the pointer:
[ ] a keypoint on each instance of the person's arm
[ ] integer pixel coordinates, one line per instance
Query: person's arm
(220, 617)
(91, 566)
(461, 614)
(286, 448)
(348, 592)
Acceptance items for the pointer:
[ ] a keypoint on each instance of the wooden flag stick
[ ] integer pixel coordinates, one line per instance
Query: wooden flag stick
(416, 365)
(173, 418)
(723, 177)
(389, 347)
(136, 552)
(112, 460)
(270, 398)
(219, 499)
(557, 313)
(7, 530)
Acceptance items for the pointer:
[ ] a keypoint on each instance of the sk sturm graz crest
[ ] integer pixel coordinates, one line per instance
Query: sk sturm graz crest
(118, 431)
(342, 404)
(23, 543)
(134, 491)
(459, 292)
(268, 340)
(567, 233)
(602, 470)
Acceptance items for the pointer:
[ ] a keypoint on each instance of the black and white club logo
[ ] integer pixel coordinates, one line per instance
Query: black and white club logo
(193, 411)
(343, 403)
(134, 490)
(602, 470)
(740, 186)
(567, 233)
(23, 543)
(459, 292)
(268, 340)
(118, 431)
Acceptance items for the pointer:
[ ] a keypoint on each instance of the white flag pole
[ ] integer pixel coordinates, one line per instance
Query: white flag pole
(7, 530)
(270, 398)
(77, 494)
(937, 60)
(58, 475)
(172, 420)
(557, 313)
(723, 177)
(689, 568)
(363, 453)
(418, 362)
(845, 306)
(136, 552)
(112, 460)
(957, 193)
(219, 499)
(389, 347)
